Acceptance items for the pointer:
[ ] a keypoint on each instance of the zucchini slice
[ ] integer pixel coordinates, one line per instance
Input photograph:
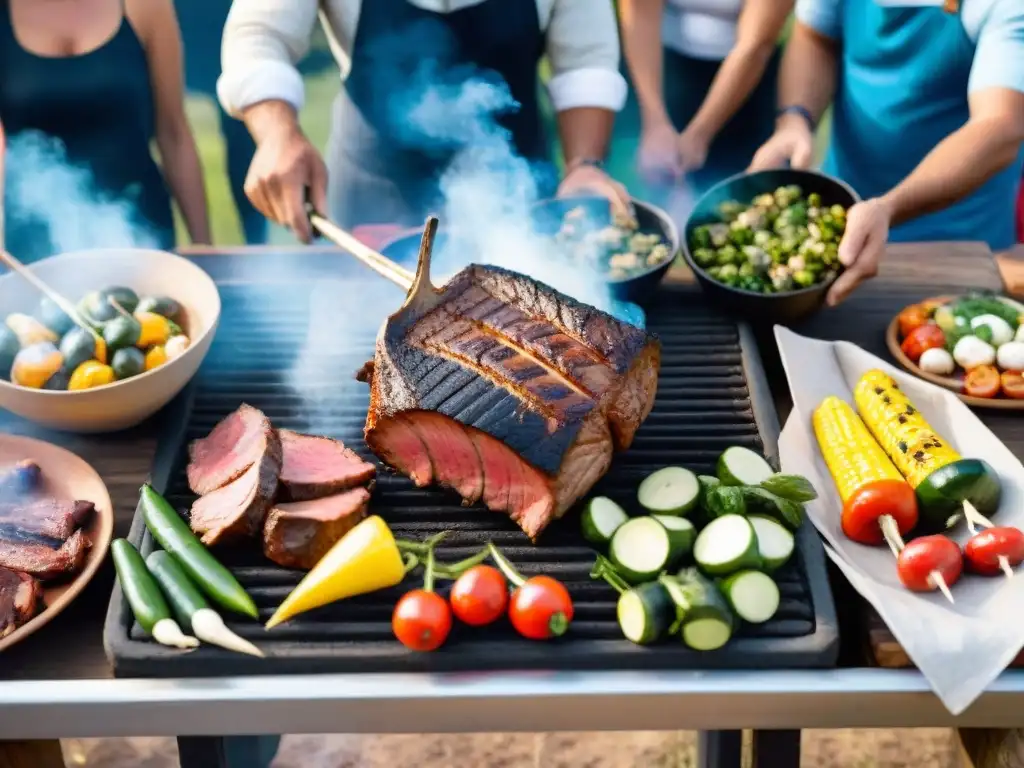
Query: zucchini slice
(741, 466)
(753, 595)
(703, 616)
(681, 535)
(600, 519)
(641, 549)
(940, 496)
(775, 543)
(669, 491)
(726, 545)
(645, 613)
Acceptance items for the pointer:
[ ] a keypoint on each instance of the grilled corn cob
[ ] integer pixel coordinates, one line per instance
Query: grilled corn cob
(900, 428)
(851, 453)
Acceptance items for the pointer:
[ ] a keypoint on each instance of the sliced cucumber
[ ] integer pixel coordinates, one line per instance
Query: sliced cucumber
(726, 545)
(669, 491)
(681, 535)
(600, 519)
(741, 466)
(645, 613)
(754, 596)
(758, 500)
(775, 543)
(640, 549)
(726, 500)
(703, 616)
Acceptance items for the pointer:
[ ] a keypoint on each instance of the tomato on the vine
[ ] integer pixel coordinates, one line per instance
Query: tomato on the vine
(422, 620)
(541, 608)
(479, 596)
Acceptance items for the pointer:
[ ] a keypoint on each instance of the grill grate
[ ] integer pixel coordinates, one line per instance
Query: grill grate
(703, 406)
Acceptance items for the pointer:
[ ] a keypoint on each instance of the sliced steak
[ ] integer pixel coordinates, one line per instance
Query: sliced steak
(41, 561)
(297, 535)
(21, 596)
(234, 445)
(313, 467)
(47, 518)
(236, 511)
(507, 391)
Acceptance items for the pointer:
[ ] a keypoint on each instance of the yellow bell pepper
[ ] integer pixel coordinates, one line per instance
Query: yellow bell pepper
(89, 375)
(364, 560)
(155, 357)
(156, 329)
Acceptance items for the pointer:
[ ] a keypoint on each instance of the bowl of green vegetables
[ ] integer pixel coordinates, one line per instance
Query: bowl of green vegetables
(766, 244)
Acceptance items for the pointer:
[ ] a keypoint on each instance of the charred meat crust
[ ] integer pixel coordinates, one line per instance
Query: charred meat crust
(21, 597)
(299, 534)
(43, 562)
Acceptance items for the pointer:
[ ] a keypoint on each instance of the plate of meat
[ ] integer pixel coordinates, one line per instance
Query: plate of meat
(56, 522)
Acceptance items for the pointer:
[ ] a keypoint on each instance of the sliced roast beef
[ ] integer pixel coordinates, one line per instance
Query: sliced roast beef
(543, 389)
(297, 535)
(235, 444)
(236, 511)
(21, 597)
(42, 561)
(314, 467)
(47, 518)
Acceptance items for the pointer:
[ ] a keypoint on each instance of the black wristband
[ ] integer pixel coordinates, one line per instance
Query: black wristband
(796, 109)
(577, 162)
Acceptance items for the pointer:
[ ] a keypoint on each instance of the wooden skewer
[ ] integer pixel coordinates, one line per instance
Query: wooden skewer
(380, 264)
(65, 306)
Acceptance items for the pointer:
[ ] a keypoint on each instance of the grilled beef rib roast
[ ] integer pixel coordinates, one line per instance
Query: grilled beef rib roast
(506, 391)
(315, 466)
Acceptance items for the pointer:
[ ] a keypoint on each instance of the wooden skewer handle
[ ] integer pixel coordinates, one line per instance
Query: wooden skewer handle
(65, 306)
(375, 261)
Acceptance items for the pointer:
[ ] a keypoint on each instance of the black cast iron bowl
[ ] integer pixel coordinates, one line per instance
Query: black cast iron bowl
(783, 308)
(638, 288)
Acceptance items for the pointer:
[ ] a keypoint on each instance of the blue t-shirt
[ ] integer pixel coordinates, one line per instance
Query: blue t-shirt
(905, 74)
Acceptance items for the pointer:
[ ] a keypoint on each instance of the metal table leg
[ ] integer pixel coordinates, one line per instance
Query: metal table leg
(776, 749)
(202, 752)
(720, 749)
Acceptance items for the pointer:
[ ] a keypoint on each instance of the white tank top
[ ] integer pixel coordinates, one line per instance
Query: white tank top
(703, 29)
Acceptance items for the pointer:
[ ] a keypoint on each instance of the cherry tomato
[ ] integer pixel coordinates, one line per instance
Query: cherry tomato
(911, 318)
(885, 497)
(541, 608)
(983, 550)
(925, 556)
(982, 381)
(422, 620)
(1013, 384)
(922, 338)
(479, 596)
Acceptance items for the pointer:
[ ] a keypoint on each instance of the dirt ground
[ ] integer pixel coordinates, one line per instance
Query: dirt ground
(925, 748)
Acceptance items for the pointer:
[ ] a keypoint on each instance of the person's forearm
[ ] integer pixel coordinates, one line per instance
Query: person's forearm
(641, 44)
(184, 176)
(584, 133)
(269, 117)
(955, 168)
(735, 80)
(807, 77)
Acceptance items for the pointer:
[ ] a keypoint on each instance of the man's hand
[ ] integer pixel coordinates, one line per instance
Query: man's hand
(283, 168)
(792, 142)
(693, 150)
(862, 246)
(586, 179)
(658, 154)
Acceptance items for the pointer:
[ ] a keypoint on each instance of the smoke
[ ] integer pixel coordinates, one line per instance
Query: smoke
(61, 201)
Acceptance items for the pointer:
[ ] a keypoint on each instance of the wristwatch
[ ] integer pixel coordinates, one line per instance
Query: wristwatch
(796, 109)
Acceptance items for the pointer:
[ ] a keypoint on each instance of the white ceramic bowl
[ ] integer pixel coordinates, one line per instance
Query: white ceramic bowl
(125, 403)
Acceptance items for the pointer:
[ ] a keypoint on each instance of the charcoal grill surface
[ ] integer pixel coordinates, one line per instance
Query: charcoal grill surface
(291, 348)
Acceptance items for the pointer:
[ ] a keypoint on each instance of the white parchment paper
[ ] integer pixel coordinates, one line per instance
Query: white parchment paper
(959, 648)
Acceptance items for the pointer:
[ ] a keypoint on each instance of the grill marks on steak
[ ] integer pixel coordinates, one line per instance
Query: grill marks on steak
(21, 597)
(234, 445)
(298, 534)
(542, 387)
(40, 560)
(314, 467)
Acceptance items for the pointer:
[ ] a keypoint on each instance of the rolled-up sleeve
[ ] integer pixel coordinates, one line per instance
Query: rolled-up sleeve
(823, 16)
(997, 26)
(263, 39)
(583, 49)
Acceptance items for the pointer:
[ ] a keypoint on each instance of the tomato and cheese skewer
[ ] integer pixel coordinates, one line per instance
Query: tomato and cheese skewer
(994, 549)
(930, 562)
(942, 479)
(869, 485)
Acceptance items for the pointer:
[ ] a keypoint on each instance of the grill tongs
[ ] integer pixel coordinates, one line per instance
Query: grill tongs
(417, 286)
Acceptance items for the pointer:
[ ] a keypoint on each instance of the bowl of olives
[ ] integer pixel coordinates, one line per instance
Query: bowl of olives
(143, 321)
(765, 245)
